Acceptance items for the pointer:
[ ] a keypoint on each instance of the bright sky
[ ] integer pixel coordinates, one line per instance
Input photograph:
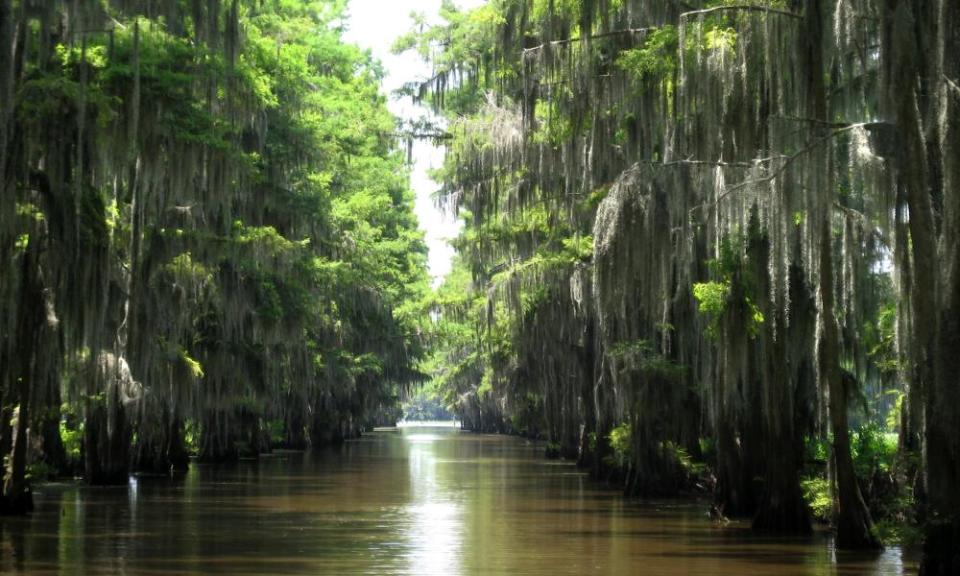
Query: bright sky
(375, 24)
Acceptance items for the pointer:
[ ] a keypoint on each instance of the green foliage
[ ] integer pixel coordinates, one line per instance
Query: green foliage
(186, 271)
(191, 437)
(816, 450)
(193, 366)
(875, 458)
(71, 432)
(891, 502)
(40, 471)
(620, 439)
(679, 455)
(884, 349)
(893, 417)
(275, 429)
(723, 39)
(640, 356)
(733, 291)
(579, 248)
(817, 493)
(874, 450)
(425, 405)
(552, 450)
(554, 127)
(656, 59)
(712, 297)
(708, 448)
(235, 207)
(596, 107)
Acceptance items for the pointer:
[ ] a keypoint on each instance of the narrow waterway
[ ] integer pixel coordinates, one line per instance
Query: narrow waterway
(413, 501)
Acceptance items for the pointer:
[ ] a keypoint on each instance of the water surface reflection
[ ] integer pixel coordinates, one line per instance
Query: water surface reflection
(414, 501)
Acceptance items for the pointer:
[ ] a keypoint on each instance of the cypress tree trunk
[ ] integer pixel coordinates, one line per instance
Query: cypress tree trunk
(325, 427)
(781, 506)
(218, 439)
(163, 452)
(589, 438)
(854, 524)
(295, 429)
(734, 490)
(6, 436)
(107, 431)
(941, 550)
(47, 425)
(106, 443)
(30, 319)
(177, 453)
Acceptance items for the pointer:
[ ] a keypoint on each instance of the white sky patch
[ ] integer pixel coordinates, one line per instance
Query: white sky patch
(376, 24)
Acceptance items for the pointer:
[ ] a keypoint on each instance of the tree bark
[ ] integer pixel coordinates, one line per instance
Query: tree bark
(855, 528)
(17, 498)
(941, 550)
(782, 507)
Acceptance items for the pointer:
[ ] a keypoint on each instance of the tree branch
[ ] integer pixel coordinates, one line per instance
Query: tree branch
(623, 32)
(811, 121)
(420, 134)
(788, 160)
(742, 8)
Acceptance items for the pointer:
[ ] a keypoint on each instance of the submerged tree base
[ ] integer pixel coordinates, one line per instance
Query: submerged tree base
(17, 505)
(783, 513)
(941, 548)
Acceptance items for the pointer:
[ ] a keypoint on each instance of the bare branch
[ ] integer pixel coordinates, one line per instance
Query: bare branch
(811, 121)
(420, 134)
(788, 160)
(741, 8)
(624, 32)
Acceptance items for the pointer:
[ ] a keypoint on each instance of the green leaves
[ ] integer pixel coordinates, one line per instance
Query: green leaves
(656, 59)
(712, 297)
(620, 439)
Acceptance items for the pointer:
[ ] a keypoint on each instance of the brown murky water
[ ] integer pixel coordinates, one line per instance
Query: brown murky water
(415, 501)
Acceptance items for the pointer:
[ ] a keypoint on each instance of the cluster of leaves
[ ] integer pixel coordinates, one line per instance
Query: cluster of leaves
(620, 440)
(734, 290)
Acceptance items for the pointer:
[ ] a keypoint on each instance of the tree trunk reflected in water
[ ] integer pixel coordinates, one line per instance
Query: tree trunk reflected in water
(412, 501)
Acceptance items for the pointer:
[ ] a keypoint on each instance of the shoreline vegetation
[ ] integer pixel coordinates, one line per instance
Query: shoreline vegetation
(709, 247)
(712, 244)
(207, 234)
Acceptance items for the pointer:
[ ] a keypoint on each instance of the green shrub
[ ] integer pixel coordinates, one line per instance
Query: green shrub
(816, 491)
(679, 455)
(874, 450)
(553, 450)
(620, 439)
(276, 429)
(71, 433)
(40, 471)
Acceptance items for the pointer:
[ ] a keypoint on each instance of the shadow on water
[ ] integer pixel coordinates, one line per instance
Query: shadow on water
(408, 501)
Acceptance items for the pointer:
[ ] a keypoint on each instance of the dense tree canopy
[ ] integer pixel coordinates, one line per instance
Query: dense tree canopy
(708, 244)
(712, 230)
(206, 231)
